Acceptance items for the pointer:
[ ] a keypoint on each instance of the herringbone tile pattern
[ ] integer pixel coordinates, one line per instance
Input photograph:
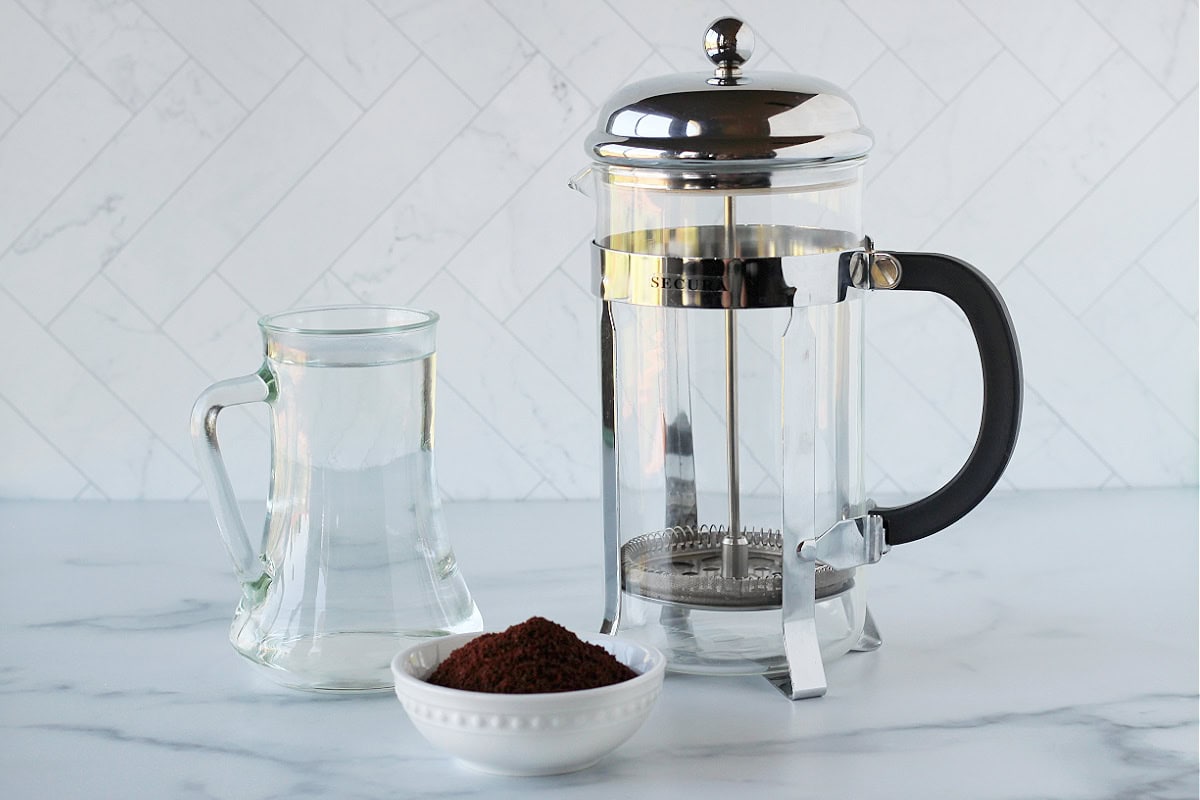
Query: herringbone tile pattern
(171, 170)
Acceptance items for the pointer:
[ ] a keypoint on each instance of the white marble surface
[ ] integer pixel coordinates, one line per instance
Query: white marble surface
(1046, 647)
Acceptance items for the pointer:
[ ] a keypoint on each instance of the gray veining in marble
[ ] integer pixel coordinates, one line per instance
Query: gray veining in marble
(1046, 647)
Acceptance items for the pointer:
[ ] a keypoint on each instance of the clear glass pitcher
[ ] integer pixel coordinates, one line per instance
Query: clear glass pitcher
(354, 561)
(732, 270)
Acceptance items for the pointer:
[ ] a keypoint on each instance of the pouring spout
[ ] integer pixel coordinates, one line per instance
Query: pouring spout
(580, 183)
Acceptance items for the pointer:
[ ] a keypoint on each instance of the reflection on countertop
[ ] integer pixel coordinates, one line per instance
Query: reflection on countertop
(1045, 647)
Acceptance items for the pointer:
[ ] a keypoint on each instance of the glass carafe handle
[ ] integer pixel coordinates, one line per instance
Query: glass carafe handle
(970, 290)
(234, 391)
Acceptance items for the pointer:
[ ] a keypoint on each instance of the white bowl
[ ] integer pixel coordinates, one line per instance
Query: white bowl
(528, 734)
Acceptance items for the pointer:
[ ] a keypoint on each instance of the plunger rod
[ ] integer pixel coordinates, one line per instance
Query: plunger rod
(735, 549)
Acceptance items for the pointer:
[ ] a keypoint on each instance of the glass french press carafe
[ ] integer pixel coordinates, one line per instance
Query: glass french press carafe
(732, 269)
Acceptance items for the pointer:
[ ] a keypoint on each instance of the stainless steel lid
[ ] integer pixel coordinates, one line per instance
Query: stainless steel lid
(727, 120)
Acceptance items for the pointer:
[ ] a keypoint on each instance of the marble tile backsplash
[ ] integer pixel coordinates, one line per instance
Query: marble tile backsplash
(169, 171)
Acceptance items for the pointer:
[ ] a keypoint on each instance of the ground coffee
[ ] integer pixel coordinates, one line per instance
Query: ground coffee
(536, 656)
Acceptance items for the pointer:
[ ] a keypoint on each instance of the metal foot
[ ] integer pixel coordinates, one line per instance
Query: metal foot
(676, 620)
(870, 639)
(805, 676)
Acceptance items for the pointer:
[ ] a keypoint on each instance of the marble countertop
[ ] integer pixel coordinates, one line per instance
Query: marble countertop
(1045, 647)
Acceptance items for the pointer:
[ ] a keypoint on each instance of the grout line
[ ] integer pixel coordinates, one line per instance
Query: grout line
(162, 205)
(10, 107)
(331, 275)
(767, 478)
(305, 54)
(882, 489)
(1138, 262)
(192, 293)
(325, 273)
(159, 330)
(185, 459)
(572, 273)
(1116, 359)
(88, 485)
(1114, 479)
(432, 61)
(550, 273)
(561, 494)
(75, 59)
(444, 268)
(71, 300)
(112, 256)
(345, 285)
(1033, 73)
(1062, 421)
(187, 179)
(560, 71)
(1121, 45)
(1149, 276)
(1120, 362)
(328, 270)
(387, 207)
(105, 384)
(253, 308)
(320, 159)
(529, 295)
(483, 417)
(743, 449)
(12, 124)
(87, 479)
(50, 84)
(1130, 267)
(86, 368)
(888, 48)
(536, 486)
(71, 181)
(635, 29)
(870, 462)
(882, 55)
(167, 32)
(1099, 183)
(587, 404)
(1017, 150)
(968, 438)
(735, 11)
(157, 327)
(896, 157)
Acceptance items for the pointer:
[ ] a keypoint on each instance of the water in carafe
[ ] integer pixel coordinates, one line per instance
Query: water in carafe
(355, 562)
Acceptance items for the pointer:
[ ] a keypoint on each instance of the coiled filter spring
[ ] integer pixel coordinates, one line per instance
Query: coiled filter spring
(682, 566)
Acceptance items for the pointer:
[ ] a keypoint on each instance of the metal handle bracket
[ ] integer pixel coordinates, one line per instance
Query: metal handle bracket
(848, 543)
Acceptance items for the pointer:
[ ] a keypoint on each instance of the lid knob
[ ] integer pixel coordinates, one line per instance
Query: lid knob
(728, 43)
(745, 128)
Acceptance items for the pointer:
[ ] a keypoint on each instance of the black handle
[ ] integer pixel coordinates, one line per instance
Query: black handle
(971, 291)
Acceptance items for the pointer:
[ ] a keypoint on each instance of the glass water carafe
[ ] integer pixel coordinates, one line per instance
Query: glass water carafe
(354, 560)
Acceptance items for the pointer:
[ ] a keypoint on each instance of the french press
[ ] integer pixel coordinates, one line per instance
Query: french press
(732, 270)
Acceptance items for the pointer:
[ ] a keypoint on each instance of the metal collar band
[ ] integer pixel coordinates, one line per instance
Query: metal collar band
(781, 267)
